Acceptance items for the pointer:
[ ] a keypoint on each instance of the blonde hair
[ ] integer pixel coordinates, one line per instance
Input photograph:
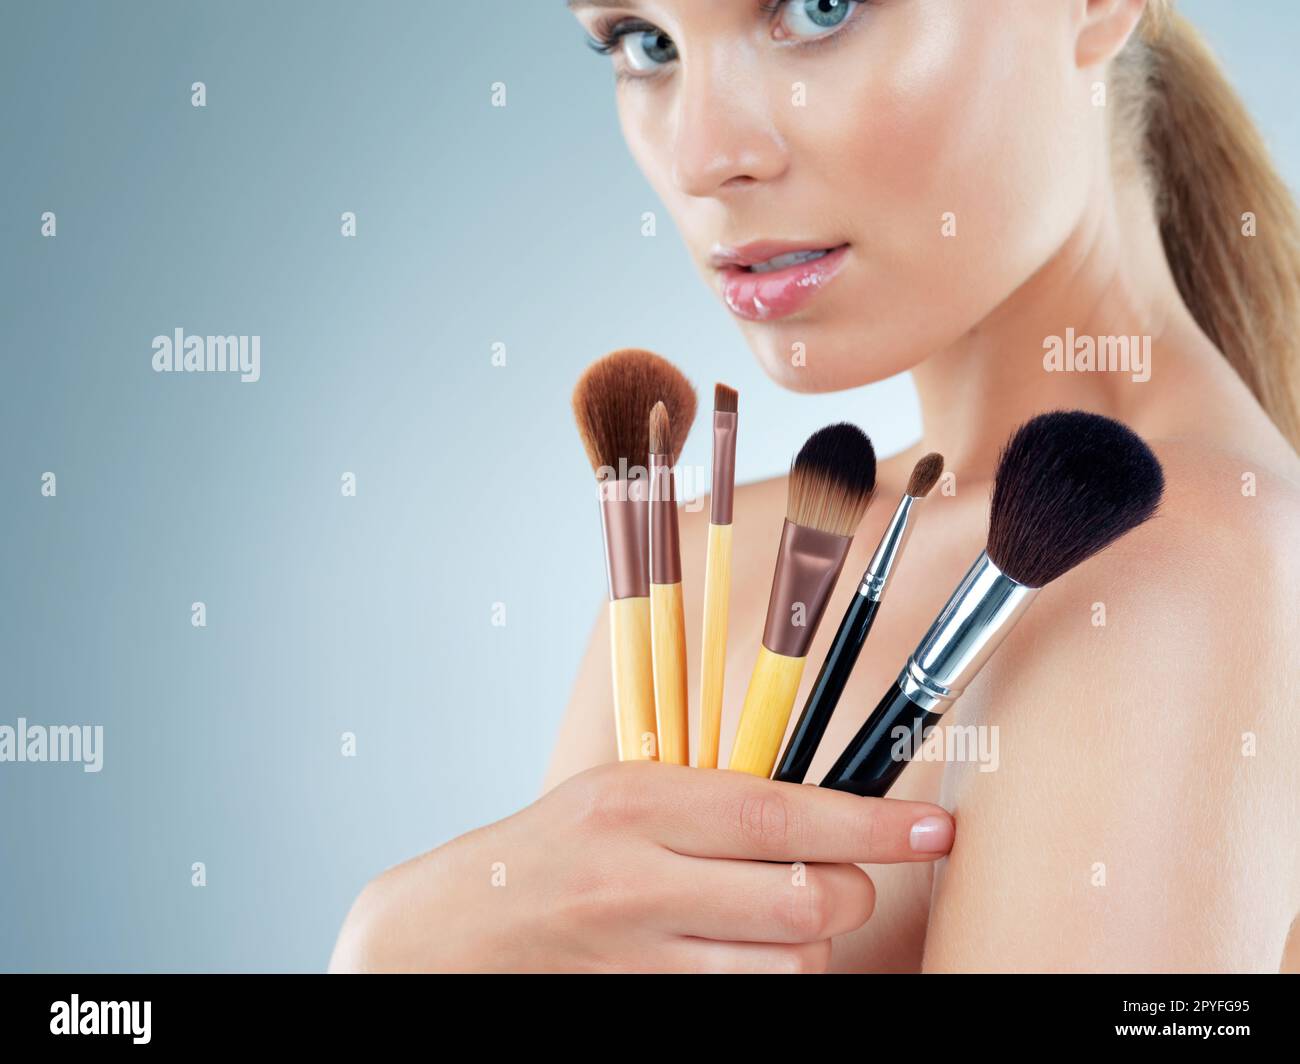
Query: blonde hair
(1208, 166)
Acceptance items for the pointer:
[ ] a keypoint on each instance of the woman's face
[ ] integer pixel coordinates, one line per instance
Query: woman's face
(933, 153)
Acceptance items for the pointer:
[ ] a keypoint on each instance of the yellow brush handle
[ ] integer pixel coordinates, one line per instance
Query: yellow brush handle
(634, 690)
(713, 654)
(668, 644)
(771, 695)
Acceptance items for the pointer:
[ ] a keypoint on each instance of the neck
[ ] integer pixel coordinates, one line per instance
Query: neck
(1109, 279)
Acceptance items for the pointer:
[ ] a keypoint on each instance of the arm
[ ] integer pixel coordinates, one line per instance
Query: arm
(1127, 827)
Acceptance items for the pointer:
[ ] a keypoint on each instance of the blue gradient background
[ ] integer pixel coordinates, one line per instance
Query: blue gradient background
(325, 614)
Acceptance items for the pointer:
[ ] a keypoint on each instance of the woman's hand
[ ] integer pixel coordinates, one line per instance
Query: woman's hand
(643, 867)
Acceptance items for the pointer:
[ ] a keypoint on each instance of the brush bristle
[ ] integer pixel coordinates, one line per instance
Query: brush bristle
(925, 475)
(1068, 485)
(612, 402)
(831, 480)
(661, 435)
(725, 400)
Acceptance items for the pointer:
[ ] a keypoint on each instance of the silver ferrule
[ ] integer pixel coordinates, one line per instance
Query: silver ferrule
(891, 546)
(983, 609)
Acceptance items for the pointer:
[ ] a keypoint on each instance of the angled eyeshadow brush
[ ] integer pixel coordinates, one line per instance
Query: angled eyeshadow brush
(717, 573)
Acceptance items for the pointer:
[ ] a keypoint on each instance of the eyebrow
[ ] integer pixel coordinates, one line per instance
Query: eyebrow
(575, 4)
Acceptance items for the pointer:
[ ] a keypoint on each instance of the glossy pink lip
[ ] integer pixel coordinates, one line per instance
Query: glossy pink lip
(769, 296)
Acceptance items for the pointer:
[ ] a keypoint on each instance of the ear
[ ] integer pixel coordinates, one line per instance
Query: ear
(1104, 28)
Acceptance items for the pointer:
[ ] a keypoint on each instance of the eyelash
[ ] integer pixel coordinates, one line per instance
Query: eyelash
(609, 33)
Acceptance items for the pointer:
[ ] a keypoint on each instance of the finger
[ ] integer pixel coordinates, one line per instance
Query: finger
(751, 958)
(731, 814)
(752, 901)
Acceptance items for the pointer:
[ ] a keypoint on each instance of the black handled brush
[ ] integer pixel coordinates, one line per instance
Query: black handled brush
(1068, 485)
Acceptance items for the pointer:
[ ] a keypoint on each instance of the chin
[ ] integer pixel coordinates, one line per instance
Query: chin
(833, 361)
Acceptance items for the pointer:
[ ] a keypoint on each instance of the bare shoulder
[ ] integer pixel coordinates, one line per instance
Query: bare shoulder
(1213, 579)
(1228, 498)
(1224, 548)
(1196, 603)
(1148, 717)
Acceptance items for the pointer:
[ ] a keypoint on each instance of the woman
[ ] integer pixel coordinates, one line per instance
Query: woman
(968, 193)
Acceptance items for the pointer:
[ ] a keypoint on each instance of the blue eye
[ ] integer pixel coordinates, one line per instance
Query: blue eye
(640, 47)
(647, 49)
(815, 18)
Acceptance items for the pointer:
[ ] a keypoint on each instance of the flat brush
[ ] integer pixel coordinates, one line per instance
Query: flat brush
(667, 620)
(831, 482)
(854, 628)
(611, 405)
(1068, 485)
(717, 573)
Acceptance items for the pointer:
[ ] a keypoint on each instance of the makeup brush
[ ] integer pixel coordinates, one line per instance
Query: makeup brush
(611, 404)
(717, 572)
(667, 622)
(831, 482)
(1068, 485)
(854, 628)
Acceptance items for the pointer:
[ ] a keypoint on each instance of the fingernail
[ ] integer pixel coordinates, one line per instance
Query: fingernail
(932, 834)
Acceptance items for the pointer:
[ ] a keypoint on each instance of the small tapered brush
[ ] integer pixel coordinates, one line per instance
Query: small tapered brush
(830, 485)
(667, 620)
(717, 573)
(854, 628)
(1068, 485)
(611, 405)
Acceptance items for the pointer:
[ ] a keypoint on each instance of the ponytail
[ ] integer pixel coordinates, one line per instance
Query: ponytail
(1214, 185)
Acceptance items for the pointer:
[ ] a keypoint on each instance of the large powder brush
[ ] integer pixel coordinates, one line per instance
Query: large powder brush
(1068, 485)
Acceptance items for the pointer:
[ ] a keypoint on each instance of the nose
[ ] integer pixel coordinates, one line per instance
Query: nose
(726, 137)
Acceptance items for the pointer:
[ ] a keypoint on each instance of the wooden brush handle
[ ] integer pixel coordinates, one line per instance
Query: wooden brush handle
(634, 691)
(713, 654)
(668, 643)
(772, 691)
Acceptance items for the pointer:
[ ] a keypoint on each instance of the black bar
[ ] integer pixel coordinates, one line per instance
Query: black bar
(376, 1016)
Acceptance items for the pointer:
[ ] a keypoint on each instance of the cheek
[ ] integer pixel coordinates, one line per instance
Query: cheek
(956, 156)
(954, 166)
(645, 117)
(947, 145)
